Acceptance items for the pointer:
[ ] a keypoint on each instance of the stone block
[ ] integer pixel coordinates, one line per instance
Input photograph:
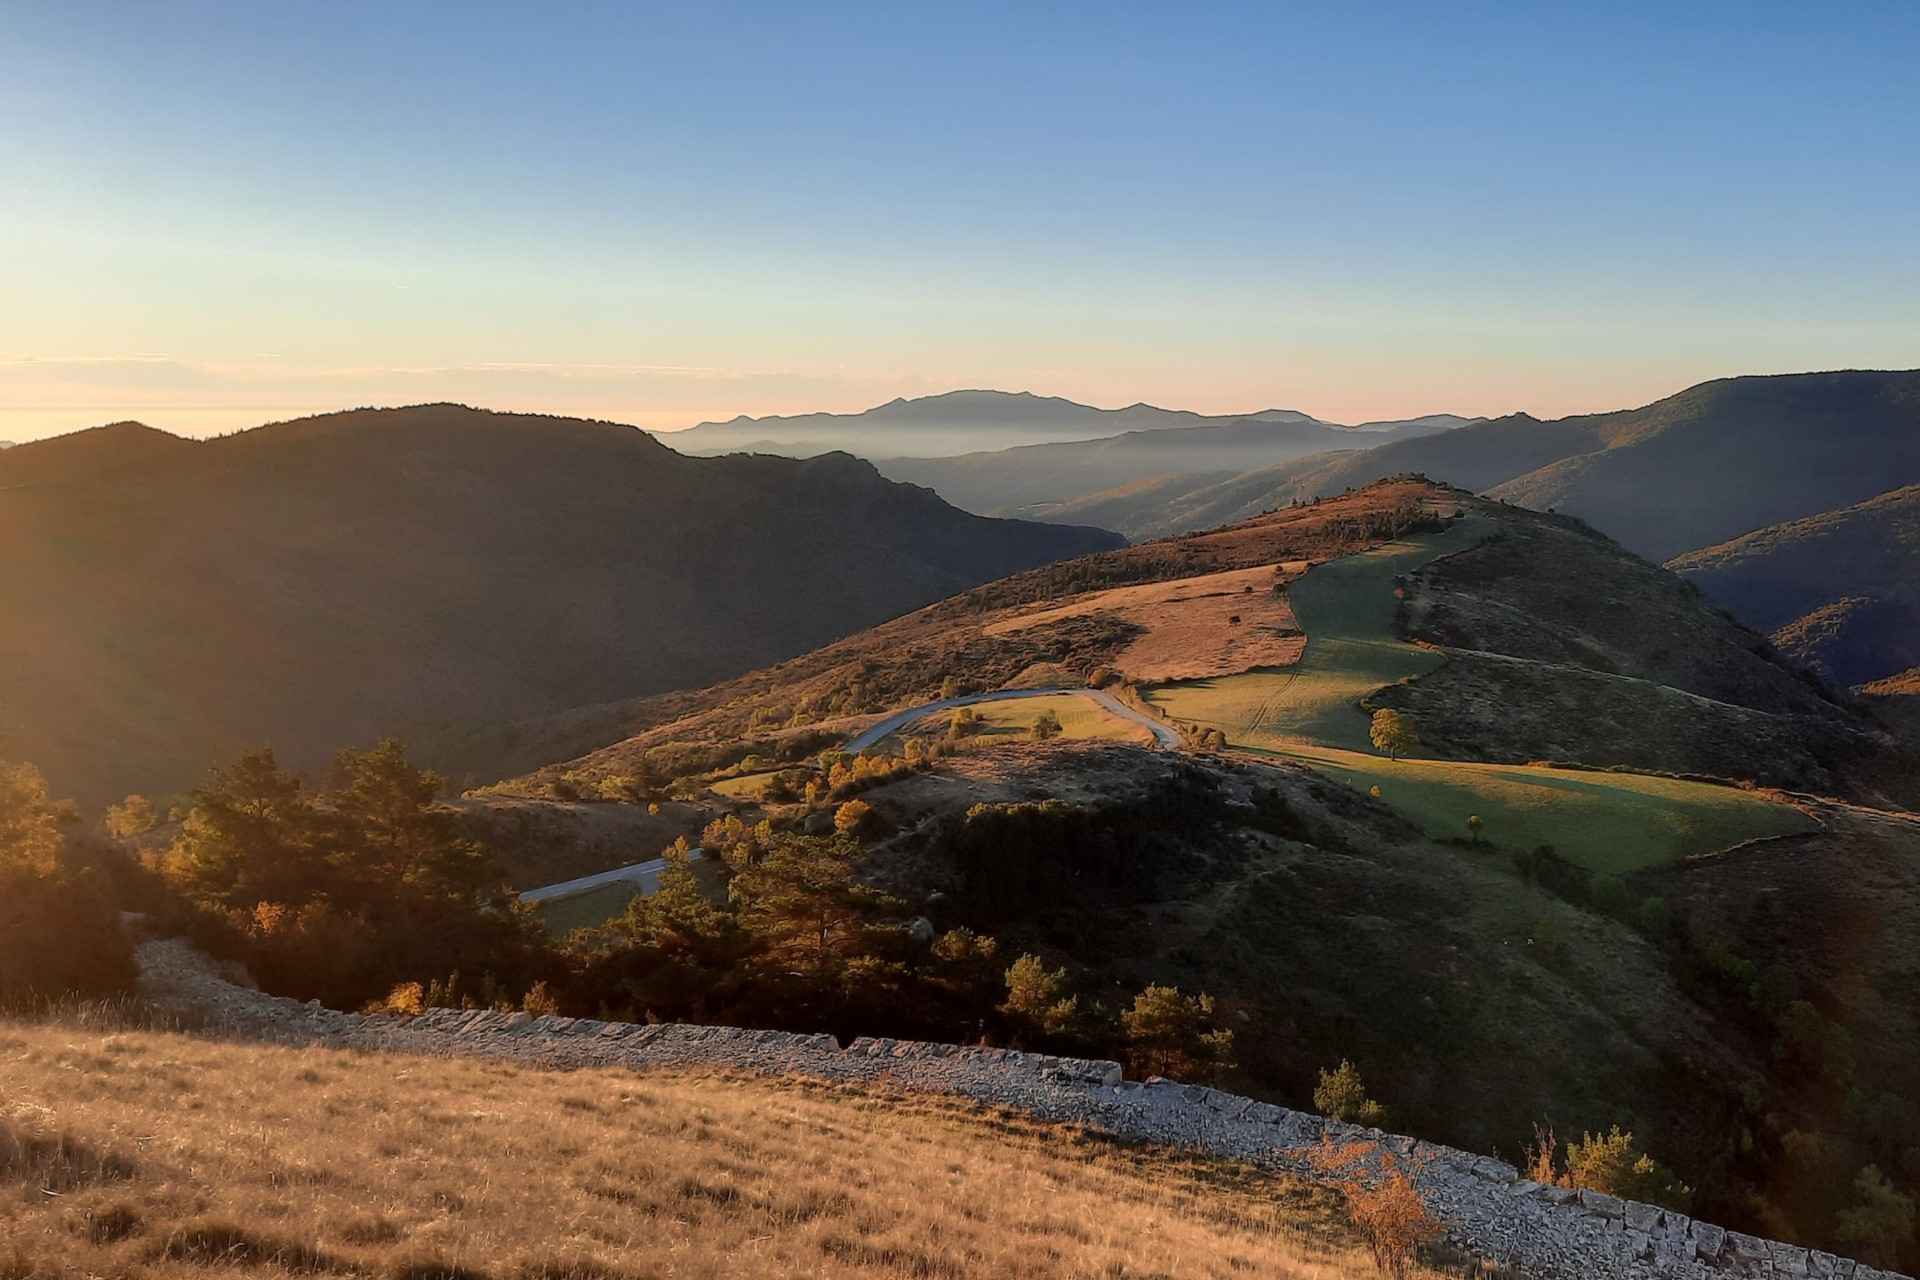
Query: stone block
(1603, 1204)
(1642, 1217)
(1788, 1259)
(1708, 1240)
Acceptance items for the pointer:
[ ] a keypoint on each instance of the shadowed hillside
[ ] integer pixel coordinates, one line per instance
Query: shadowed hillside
(1838, 591)
(321, 582)
(1715, 461)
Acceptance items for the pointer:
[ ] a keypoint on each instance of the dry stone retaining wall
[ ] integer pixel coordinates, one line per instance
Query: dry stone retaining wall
(1486, 1205)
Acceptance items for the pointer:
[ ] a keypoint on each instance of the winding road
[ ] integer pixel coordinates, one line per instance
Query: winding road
(647, 874)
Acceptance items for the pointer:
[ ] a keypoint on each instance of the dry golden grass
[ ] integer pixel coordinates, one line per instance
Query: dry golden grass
(167, 1156)
(1214, 624)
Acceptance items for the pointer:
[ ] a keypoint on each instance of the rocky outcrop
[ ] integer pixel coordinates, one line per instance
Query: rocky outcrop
(1488, 1208)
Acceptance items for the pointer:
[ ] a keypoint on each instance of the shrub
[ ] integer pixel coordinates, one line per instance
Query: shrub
(1046, 726)
(539, 1001)
(1036, 997)
(60, 934)
(1611, 1163)
(409, 999)
(1879, 1224)
(1382, 1202)
(1342, 1095)
(853, 817)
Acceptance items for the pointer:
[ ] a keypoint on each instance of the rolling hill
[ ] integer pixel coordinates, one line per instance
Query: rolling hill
(1839, 591)
(317, 583)
(83, 454)
(1715, 461)
(1689, 892)
(963, 422)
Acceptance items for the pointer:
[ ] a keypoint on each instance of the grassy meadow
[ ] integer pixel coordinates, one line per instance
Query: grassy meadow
(1346, 607)
(168, 1156)
(1609, 822)
(1079, 718)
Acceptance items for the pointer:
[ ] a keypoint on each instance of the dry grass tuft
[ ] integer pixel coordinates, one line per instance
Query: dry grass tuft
(251, 1159)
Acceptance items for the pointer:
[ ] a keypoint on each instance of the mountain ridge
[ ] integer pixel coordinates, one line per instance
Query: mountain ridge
(974, 420)
(324, 581)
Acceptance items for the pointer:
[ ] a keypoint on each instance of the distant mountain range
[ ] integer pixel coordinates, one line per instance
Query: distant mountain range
(1839, 591)
(1009, 480)
(971, 421)
(317, 583)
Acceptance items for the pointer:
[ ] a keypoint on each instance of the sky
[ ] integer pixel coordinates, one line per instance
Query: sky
(216, 215)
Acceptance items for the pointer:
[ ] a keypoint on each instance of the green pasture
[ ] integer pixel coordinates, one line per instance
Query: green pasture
(1609, 822)
(1079, 718)
(1346, 607)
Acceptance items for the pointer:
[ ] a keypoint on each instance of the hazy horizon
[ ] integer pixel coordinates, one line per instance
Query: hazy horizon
(681, 216)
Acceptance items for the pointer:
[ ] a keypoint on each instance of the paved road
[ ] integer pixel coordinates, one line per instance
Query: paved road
(1164, 734)
(644, 874)
(647, 874)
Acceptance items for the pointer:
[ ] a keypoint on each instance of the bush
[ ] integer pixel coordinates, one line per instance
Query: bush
(1384, 1205)
(1611, 1163)
(853, 817)
(1342, 1095)
(60, 935)
(1879, 1225)
(1037, 999)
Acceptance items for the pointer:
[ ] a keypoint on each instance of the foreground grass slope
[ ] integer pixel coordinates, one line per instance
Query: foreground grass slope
(169, 1156)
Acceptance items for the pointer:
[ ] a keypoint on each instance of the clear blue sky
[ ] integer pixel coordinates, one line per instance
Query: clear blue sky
(218, 214)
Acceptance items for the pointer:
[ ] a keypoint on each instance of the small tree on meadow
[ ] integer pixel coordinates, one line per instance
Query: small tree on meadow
(1046, 726)
(1473, 827)
(1392, 733)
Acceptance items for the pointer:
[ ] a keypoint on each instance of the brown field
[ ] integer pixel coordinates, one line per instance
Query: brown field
(167, 1156)
(1216, 624)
